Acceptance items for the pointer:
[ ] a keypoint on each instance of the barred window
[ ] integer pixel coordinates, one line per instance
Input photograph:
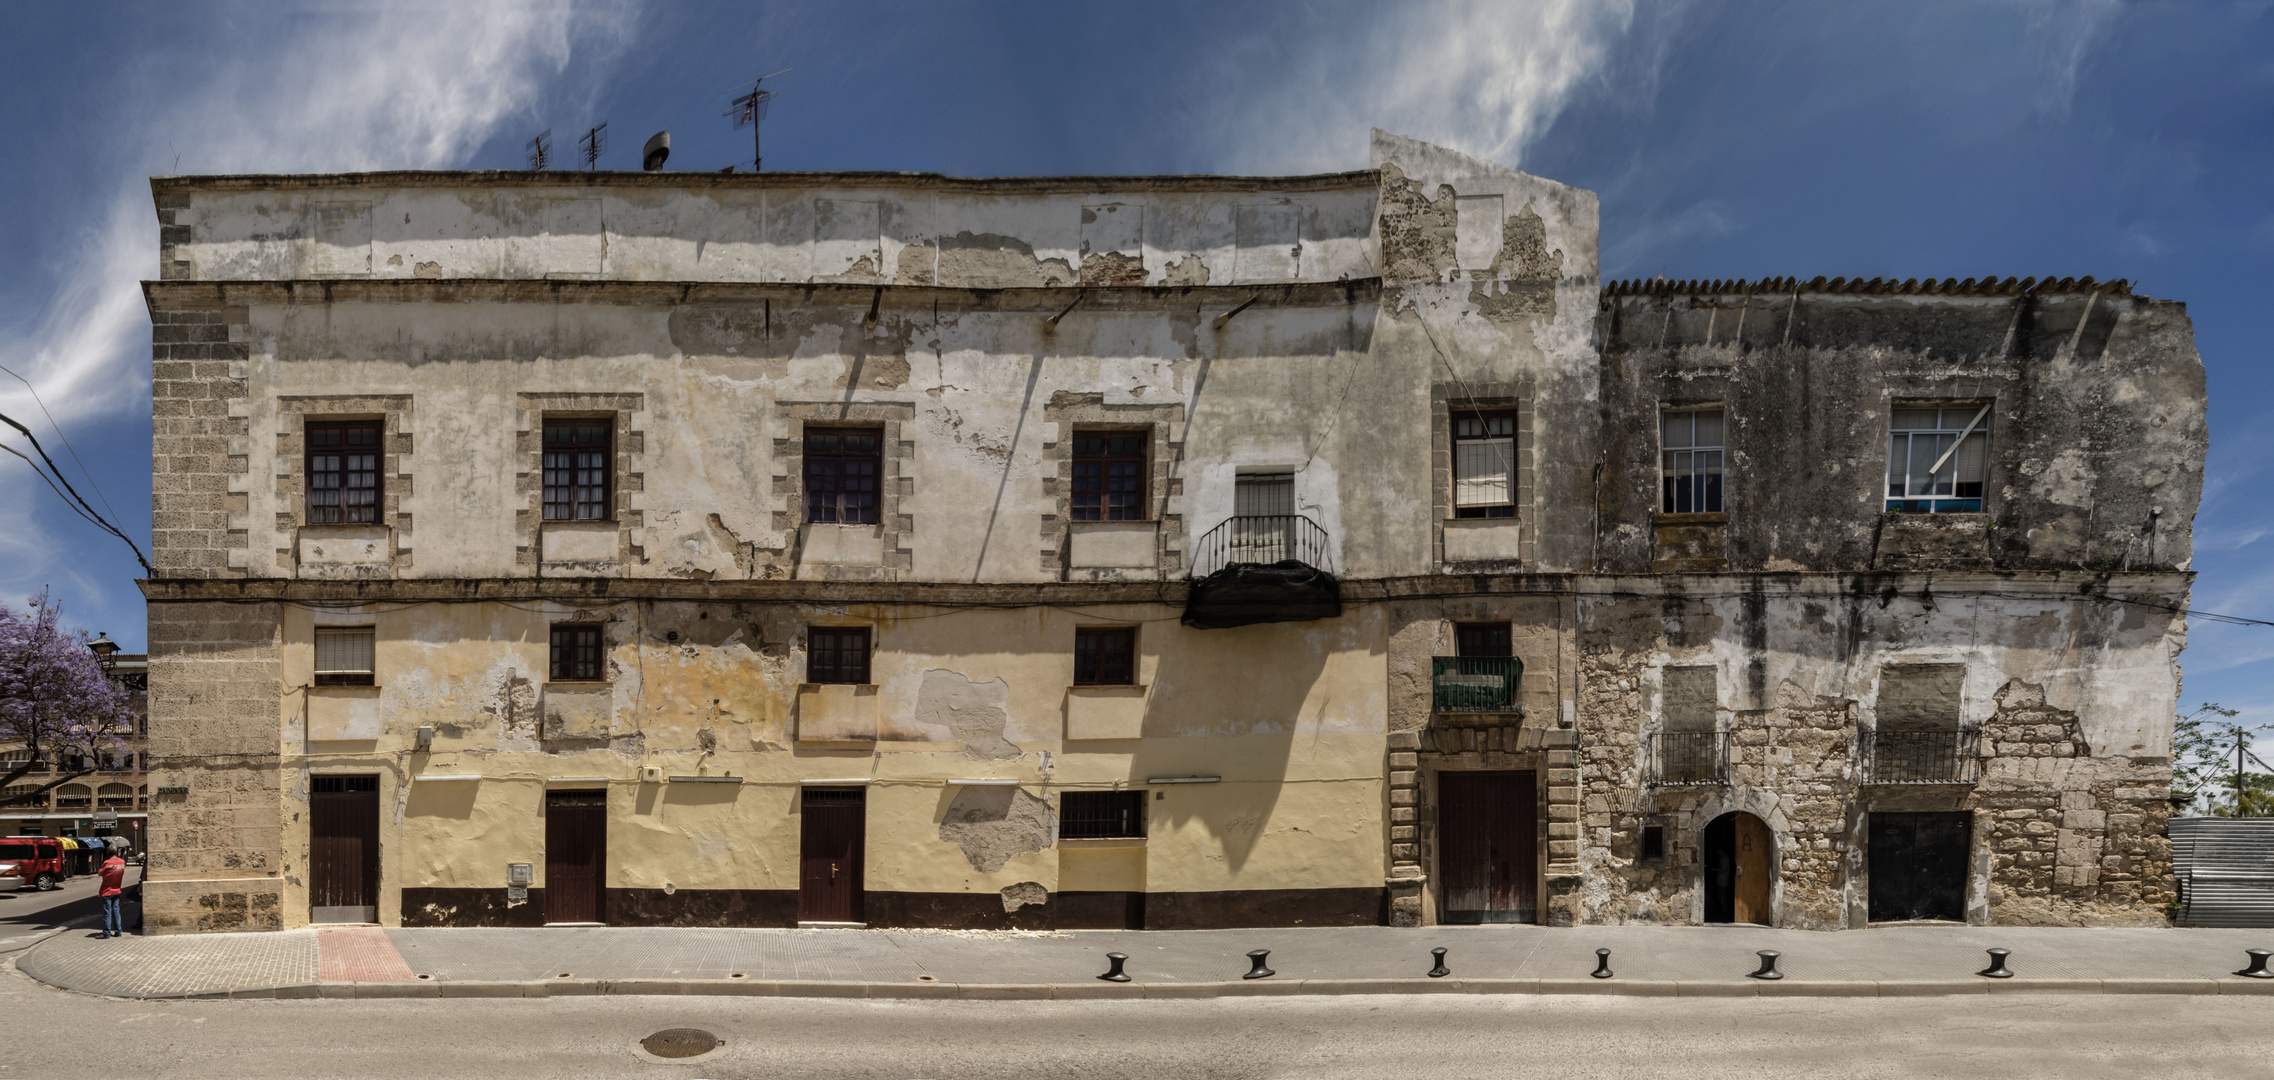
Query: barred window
(841, 470)
(576, 652)
(1101, 815)
(1937, 458)
(837, 654)
(577, 454)
(1109, 475)
(1690, 472)
(1482, 639)
(344, 656)
(343, 472)
(1484, 464)
(1105, 655)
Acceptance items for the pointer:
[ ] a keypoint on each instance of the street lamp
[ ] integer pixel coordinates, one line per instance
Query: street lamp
(103, 647)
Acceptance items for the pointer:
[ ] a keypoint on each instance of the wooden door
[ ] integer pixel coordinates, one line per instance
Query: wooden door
(576, 856)
(832, 832)
(1918, 866)
(343, 849)
(1487, 847)
(1756, 868)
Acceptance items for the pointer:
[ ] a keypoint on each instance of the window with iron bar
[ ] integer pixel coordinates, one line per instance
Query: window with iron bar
(1109, 475)
(1101, 815)
(837, 654)
(577, 466)
(1484, 464)
(344, 656)
(576, 652)
(841, 470)
(343, 472)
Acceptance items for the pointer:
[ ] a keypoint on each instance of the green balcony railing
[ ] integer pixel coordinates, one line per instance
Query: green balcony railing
(1475, 684)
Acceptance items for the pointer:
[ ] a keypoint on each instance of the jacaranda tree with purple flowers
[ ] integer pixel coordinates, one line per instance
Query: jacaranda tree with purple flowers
(56, 704)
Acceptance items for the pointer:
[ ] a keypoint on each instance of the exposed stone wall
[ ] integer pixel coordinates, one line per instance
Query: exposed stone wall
(214, 852)
(198, 441)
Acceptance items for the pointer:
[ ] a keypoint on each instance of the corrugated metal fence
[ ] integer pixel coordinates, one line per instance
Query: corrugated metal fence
(2225, 868)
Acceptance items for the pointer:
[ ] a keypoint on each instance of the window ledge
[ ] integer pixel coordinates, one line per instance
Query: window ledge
(330, 530)
(1109, 689)
(1103, 841)
(1718, 517)
(577, 684)
(343, 686)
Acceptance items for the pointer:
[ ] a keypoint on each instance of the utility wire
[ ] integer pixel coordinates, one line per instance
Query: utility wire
(98, 519)
(42, 474)
(67, 447)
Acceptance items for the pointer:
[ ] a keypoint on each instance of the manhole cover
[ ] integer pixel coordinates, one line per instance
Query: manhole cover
(681, 1043)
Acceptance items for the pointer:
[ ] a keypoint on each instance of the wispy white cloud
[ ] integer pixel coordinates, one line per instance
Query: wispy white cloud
(2061, 34)
(1486, 77)
(408, 85)
(397, 86)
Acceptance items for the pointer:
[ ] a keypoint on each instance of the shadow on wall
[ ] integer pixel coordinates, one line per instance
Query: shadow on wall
(1231, 709)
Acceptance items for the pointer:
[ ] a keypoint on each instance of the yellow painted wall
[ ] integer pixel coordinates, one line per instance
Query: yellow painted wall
(1289, 717)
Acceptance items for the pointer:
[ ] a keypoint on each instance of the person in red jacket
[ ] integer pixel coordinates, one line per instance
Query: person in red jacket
(114, 886)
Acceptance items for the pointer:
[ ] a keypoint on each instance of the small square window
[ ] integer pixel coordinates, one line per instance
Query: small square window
(1484, 464)
(343, 472)
(1101, 815)
(1653, 844)
(842, 466)
(837, 654)
(1105, 655)
(576, 652)
(1109, 475)
(577, 466)
(344, 656)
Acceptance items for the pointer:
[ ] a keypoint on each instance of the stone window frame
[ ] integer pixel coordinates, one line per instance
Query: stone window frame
(397, 423)
(626, 467)
(1164, 488)
(1512, 397)
(1657, 500)
(895, 481)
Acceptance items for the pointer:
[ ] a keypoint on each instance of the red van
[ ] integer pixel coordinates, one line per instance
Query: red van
(36, 861)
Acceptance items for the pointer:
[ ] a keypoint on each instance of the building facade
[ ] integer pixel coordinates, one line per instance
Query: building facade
(110, 793)
(892, 549)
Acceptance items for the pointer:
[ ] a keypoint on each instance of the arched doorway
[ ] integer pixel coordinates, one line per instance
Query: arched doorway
(1740, 863)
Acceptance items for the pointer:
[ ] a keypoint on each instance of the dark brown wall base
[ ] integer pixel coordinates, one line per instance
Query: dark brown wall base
(470, 907)
(952, 911)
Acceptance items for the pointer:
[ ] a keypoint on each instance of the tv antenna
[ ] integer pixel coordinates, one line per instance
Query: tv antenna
(541, 150)
(595, 140)
(748, 108)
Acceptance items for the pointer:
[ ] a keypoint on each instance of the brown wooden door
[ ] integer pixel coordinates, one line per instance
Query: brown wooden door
(343, 849)
(576, 856)
(832, 833)
(1488, 847)
(1756, 868)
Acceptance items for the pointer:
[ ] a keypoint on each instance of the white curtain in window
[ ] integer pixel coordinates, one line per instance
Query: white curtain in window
(1487, 472)
(343, 651)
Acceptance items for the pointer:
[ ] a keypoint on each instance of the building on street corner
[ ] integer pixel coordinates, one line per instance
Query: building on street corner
(893, 549)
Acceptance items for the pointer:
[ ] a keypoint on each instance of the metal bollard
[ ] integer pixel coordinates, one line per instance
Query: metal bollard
(2257, 968)
(1602, 964)
(1768, 968)
(1114, 973)
(1440, 971)
(1997, 968)
(1256, 970)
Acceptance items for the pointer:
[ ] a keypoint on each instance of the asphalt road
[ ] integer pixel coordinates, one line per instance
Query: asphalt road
(27, 914)
(57, 1034)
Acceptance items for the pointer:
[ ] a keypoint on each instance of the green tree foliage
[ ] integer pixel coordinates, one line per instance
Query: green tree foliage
(2203, 765)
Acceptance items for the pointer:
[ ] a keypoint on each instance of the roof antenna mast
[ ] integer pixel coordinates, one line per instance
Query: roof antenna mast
(748, 108)
(541, 150)
(594, 142)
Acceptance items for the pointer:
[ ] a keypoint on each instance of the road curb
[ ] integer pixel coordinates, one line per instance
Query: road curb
(1187, 991)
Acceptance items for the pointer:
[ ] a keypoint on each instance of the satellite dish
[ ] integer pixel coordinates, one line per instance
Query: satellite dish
(658, 148)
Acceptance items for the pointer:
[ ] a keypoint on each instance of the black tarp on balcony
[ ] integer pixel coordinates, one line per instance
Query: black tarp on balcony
(1243, 594)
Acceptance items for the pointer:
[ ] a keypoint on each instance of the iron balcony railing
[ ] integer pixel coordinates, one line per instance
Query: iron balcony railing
(1262, 539)
(1475, 684)
(1688, 758)
(1921, 757)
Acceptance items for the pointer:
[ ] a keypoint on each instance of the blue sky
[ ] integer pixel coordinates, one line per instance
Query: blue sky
(2129, 140)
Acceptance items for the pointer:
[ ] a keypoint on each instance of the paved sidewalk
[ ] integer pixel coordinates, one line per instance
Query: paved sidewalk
(369, 962)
